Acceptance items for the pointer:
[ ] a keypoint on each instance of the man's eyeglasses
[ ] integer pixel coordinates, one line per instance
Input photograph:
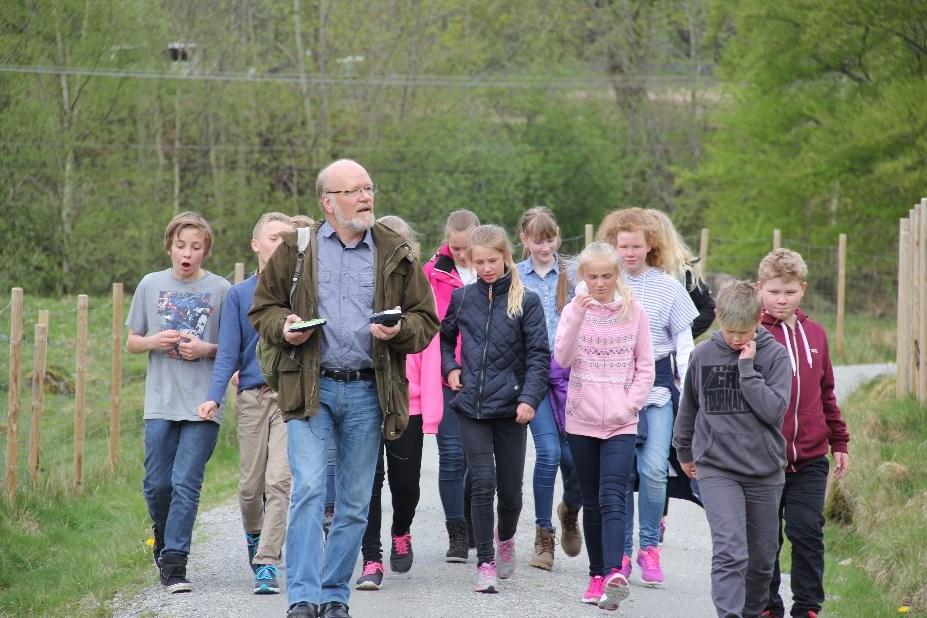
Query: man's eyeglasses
(356, 191)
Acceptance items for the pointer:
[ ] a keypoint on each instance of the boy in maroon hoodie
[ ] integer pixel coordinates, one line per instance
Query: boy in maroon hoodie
(812, 426)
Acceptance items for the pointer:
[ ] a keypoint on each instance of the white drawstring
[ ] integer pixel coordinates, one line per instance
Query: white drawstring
(804, 337)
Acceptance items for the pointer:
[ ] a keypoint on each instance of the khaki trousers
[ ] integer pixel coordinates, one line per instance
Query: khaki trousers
(264, 474)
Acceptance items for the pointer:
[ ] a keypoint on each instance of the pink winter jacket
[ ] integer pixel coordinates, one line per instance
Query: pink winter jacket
(611, 366)
(423, 370)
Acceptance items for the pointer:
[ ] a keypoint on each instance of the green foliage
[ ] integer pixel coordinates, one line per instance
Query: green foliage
(875, 564)
(489, 105)
(823, 127)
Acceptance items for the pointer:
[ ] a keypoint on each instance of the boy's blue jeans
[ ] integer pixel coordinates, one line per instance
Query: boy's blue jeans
(652, 468)
(176, 453)
(552, 451)
(349, 414)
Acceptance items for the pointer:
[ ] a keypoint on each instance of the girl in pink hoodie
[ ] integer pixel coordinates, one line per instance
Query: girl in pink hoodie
(604, 338)
(448, 270)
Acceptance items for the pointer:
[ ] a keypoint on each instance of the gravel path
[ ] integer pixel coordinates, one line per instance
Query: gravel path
(219, 571)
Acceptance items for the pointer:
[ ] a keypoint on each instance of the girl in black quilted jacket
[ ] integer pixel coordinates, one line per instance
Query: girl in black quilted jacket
(499, 383)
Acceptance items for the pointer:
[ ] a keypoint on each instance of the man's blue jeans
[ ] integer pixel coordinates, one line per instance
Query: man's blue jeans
(176, 453)
(552, 451)
(349, 414)
(652, 468)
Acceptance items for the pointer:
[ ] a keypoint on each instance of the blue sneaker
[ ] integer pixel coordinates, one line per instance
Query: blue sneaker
(253, 540)
(265, 580)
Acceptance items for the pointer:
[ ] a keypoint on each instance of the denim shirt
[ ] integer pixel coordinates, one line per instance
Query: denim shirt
(345, 284)
(546, 288)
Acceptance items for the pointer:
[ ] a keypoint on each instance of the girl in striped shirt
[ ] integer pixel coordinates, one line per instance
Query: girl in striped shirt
(670, 312)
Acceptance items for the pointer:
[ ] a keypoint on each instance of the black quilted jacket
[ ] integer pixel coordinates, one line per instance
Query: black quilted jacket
(504, 360)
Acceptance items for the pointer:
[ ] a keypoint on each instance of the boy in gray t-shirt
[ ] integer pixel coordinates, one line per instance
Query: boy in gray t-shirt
(175, 320)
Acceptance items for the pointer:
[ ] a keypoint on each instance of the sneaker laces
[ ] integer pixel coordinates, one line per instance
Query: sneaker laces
(596, 585)
(402, 543)
(506, 550)
(266, 571)
(650, 558)
(487, 569)
(371, 567)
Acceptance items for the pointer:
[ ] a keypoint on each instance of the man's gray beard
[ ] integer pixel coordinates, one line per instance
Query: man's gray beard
(357, 224)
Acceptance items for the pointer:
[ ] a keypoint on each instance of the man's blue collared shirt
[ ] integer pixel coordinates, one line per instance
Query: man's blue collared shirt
(345, 284)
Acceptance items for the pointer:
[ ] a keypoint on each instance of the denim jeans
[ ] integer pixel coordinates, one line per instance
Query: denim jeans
(552, 452)
(452, 465)
(652, 468)
(496, 461)
(176, 453)
(330, 478)
(349, 413)
(404, 463)
(603, 467)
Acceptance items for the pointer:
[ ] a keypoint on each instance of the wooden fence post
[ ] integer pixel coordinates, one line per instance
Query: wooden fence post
(841, 292)
(589, 232)
(12, 425)
(115, 410)
(43, 319)
(903, 326)
(703, 250)
(38, 390)
(239, 272)
(80, 390)
(914, 299)
(777, 239)
(921, 325)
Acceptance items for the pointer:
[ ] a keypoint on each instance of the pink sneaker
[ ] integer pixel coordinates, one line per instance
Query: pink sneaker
(649, 561)
(625, 567)
(505, 557)
(614, 591)
(594, 591)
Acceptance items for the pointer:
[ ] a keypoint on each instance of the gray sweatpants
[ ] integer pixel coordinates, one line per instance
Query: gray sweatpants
(744, 522)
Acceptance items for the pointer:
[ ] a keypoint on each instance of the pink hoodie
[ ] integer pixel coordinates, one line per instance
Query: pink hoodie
(611, 364)
(423, 370)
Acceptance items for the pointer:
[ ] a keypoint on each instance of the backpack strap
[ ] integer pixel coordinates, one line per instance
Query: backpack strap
(303, 236)
(302, 243)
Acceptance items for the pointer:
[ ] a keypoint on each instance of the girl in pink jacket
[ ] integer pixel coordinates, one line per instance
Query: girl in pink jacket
(448, 270)
(604, 337)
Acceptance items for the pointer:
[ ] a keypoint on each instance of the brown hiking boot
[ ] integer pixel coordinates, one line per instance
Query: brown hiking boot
(543, 556)
(570, 538)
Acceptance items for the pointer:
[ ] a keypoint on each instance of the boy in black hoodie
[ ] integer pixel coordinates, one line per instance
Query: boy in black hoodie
(734, 398)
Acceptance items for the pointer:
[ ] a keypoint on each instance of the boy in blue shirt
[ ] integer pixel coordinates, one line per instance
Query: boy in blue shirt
(264, 474)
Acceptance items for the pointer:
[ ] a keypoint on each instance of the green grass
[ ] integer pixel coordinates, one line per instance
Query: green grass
(69, 553)
(875, 559)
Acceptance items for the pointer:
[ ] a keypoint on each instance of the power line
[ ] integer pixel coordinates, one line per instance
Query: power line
(442, 81)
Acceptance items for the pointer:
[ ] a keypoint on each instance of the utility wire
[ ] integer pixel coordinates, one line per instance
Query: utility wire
(442, 81)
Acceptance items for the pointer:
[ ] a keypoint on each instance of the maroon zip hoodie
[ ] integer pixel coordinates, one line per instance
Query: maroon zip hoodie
(813, 420)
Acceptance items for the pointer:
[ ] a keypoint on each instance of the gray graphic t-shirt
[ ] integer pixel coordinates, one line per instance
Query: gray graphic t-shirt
(175, 387)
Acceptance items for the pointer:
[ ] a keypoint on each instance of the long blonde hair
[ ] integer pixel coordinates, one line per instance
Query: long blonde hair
(494, 237)
(601, 250)
(678, 259)
(539, 223)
